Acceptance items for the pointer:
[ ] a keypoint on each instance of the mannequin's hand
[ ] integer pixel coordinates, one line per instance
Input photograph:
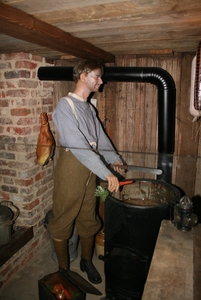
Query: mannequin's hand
(119, 169)
(113, 183)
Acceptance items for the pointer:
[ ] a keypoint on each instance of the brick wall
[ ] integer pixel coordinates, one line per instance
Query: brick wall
(22, 181)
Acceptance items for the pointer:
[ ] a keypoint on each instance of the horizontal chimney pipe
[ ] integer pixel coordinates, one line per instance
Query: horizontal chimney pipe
(166, 102)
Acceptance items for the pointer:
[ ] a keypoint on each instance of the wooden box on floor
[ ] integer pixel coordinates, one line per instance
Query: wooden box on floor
(75, 285)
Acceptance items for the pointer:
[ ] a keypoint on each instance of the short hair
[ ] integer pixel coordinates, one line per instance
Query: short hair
(86, 66)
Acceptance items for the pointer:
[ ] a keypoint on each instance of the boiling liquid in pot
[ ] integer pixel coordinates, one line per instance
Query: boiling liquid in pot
(144, 193)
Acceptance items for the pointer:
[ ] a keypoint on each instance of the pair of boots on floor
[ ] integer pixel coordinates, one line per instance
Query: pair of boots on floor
(86, 265)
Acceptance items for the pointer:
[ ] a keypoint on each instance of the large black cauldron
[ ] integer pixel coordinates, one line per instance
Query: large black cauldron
(132, 221)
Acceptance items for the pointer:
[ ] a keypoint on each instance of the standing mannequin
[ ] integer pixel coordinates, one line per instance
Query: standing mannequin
(83, 140)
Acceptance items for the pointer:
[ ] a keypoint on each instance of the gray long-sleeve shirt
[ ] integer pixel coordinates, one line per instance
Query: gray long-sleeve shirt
(77, 133)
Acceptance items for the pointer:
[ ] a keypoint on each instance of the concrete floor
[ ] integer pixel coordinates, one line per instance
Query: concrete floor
(24, 285)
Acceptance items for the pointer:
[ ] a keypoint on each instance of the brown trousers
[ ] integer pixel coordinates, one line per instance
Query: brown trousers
(73, 199)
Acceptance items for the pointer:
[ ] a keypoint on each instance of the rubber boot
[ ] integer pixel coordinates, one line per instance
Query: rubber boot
(86, 264)
(60, 247)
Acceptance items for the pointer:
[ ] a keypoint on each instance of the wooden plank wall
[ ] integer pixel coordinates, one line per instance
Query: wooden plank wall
(131, 118)
(135, 123)
(187, 140)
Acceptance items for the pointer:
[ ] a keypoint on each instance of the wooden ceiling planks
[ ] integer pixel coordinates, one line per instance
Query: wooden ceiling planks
(140, 11)
(114, 26)
(20, 25)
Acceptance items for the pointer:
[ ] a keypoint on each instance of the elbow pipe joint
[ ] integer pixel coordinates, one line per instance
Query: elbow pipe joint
(160, 77)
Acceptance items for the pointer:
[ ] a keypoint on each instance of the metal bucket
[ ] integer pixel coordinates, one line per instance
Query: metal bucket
(7, 219)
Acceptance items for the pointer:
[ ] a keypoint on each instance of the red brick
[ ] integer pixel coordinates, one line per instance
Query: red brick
(37, 58)
(10, 189)
(5, 121)
(8, 180)
(28, 84)
(49, 191)
(17, 55)
(50, 109)
(5, 65)
(20, 112)
(20, 131)
(17, 74)
(33, 112)
(8, 172)
(31, 205)
(7, 155)
(20, 102)
(40, 176)
(24, 182)
(31, 221)
(17, 93)
(36, 129)
(4, 103)
(14, 164)
(33, 245)
(25, 198)
(13, 147)
(50, 117)
(26, 121)
(25, 64)
(8, 139)
(30, 173)
(30, 155)
(41, 191)
(49, 170)
(10, 84)
(47, 101)
(34, 75)
(4, 196)
(27, 259)
(48, 84)
(2, 85)
(40, 223)
(32, 102)
(47, 179)
(2, 146)
(38, 110)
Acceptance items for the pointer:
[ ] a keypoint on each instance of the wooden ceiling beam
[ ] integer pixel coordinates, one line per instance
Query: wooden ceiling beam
(18, 24)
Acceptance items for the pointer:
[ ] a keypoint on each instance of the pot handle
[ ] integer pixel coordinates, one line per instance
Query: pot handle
(16, 215)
